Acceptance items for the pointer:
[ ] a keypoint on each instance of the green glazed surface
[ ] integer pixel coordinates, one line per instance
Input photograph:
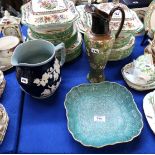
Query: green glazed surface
(122, 40)
(75, 51)
(123, 52)
(53, 35)
(98, 115)
(68, 41)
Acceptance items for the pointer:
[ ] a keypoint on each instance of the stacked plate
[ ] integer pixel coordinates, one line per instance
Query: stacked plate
(53, 22)
(2, 83)
(140, 80)
(4, 119)
(122, 47)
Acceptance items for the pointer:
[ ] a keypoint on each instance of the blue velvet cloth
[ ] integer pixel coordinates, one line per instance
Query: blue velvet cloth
(11, 100)
(44, 123)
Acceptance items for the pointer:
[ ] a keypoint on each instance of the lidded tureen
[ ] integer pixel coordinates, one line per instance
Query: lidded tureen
(132, 22)
(48, 15)
(54, 21)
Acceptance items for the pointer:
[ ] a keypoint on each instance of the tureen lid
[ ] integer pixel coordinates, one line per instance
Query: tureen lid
(48, 12)
(48, 6)
(132, 22)
(8, 19)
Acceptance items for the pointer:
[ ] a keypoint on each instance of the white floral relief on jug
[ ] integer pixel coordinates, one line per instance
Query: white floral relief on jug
(52, 73)
(51, 89)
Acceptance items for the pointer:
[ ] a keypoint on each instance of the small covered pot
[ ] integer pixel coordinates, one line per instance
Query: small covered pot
(49, 15)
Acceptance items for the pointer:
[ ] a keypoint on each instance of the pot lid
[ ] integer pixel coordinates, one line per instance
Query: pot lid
(132, 22)
(8, 19)
(8, 42)
(48, 6)
(41, 13)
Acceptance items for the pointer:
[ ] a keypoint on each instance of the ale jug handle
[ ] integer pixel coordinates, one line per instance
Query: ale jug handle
(122, 21)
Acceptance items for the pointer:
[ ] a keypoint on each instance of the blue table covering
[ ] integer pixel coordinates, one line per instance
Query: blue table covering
(44, 124)
(11, 100)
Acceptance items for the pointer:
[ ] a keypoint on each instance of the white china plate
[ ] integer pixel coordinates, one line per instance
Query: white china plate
(149, 110)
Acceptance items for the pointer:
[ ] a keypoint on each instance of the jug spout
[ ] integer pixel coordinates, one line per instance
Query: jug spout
(100, 20)
(14, 61)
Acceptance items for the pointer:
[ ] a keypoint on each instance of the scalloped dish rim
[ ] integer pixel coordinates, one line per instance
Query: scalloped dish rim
(119, 142)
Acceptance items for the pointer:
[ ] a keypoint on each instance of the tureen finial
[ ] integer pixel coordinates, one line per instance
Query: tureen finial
(6, 13)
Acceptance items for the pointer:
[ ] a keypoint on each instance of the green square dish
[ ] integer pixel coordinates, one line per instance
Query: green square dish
(99, 116)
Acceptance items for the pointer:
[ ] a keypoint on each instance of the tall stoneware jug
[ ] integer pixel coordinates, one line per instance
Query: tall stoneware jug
(99, 41)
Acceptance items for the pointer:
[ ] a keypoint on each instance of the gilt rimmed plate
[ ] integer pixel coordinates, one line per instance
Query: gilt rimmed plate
(92, 111)
(149, 109)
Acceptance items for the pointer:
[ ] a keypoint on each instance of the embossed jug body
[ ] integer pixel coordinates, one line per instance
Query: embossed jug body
(99, 41)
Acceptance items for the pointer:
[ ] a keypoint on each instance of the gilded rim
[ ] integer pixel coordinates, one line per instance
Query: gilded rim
(107, 144)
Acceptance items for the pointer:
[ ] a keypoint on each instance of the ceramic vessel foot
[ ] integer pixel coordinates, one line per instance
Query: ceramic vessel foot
(95, 76)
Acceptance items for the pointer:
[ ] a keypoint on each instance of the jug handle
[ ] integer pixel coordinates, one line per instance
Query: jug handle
(122, 21)
(61, 47)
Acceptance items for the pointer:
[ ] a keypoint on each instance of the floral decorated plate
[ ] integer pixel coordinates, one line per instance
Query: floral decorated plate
(92, 112)
(149, 21)
(132, 22)
(149, 109)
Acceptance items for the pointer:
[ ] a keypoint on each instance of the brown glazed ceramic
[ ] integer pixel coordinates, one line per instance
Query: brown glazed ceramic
(99, 41)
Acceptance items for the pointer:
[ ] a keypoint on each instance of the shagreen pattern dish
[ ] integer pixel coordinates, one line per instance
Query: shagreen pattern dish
(149, 109)
(92, 111)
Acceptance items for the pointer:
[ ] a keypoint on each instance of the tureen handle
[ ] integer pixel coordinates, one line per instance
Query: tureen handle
(61, 47)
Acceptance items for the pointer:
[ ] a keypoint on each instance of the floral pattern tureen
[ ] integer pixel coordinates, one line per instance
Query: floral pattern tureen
(132, 23)
(45, 13)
